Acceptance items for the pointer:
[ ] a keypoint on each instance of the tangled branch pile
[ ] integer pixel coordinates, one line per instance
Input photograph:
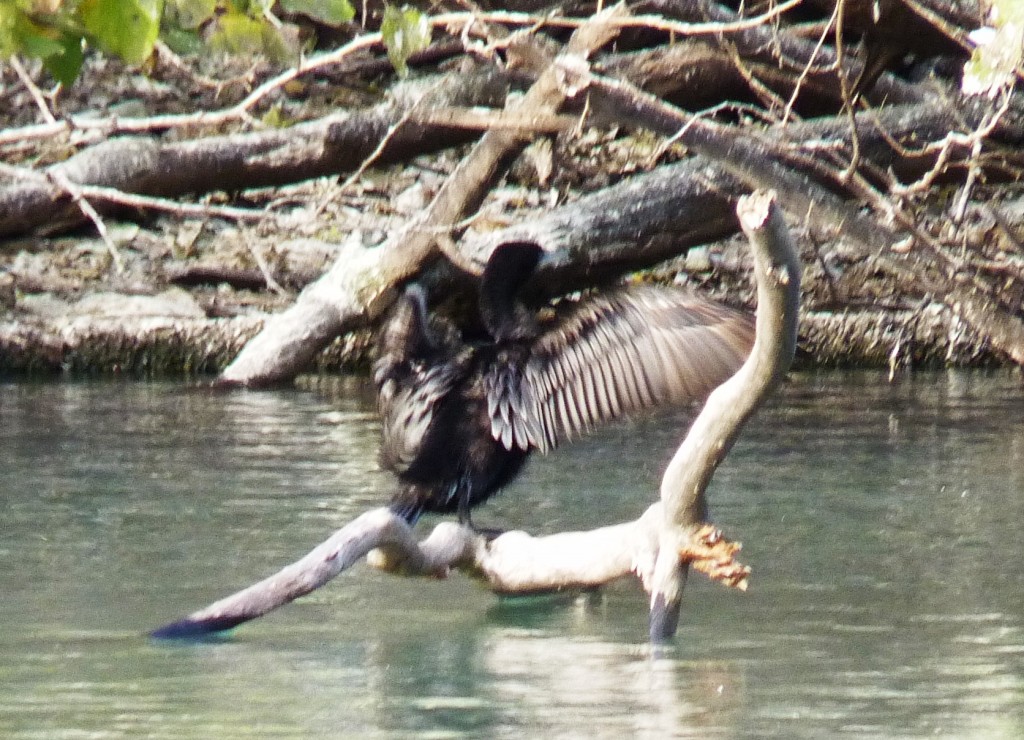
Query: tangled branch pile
(627, 151)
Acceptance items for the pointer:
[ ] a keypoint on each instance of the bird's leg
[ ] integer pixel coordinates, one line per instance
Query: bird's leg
(466, 520)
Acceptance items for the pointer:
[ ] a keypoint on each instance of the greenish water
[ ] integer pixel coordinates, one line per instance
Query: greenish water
(883, 523)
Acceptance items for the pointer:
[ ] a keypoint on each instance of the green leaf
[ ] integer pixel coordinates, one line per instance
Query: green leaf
(35, 40)
(405, 32)
(8, 20)
(328, 12)
(127, 28)
(59, 48)
(65, 66)
(239, 34)
(182, 42)
(275, 118)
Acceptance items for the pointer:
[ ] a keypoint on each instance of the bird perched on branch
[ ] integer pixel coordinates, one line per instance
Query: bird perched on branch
(460, 420)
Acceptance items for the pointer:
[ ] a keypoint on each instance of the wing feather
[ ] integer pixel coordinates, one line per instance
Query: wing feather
(624, 352)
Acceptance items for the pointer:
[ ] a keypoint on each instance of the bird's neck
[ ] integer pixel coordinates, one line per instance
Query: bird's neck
(505, 317)
(508, 269)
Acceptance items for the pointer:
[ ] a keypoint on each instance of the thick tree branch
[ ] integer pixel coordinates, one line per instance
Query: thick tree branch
(515, 563)
(716, 428)
(376, 528)
(657, 215)
(827, 216)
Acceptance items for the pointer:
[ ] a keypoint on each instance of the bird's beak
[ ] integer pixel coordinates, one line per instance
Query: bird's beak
(552, 259)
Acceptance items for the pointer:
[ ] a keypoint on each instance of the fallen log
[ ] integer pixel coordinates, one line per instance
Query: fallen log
(337, 143)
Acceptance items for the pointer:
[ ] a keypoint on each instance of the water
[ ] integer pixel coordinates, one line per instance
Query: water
(883, 523)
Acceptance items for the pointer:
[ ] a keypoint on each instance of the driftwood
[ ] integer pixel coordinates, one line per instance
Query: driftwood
(658, 547)
(716, 428)
(628, 227)
(925, 334)
(633, 224)
(858, 166)
(751, 162)
(636, 223)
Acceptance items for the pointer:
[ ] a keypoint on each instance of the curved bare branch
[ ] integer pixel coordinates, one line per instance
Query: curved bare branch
(777, 269)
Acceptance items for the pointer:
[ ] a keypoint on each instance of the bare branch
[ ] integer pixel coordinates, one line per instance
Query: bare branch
(714, 431)
(240, 111)
(375, 528)
(86, 208)
(654, 22)
(827, 216)
(33, 89)
(512, 563)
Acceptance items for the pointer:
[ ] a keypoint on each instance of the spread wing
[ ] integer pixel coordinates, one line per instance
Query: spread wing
(622, 352)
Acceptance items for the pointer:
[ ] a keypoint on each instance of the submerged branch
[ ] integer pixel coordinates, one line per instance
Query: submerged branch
(512, 563)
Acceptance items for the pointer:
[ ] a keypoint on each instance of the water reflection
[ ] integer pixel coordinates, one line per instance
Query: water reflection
(882, 522)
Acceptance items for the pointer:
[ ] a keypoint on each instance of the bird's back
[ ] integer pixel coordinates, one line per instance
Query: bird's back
(437, 435)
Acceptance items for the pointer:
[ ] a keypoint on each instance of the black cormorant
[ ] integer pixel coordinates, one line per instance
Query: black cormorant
(459, 420)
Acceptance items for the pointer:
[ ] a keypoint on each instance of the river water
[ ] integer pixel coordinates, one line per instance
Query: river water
(882, 521)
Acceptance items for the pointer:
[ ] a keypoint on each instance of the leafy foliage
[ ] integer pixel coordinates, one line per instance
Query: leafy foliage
(46, 30)
(127, 28)
(329, 12)
(58, 31)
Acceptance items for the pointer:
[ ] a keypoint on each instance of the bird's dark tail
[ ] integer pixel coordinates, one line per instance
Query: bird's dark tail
(410, 510)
